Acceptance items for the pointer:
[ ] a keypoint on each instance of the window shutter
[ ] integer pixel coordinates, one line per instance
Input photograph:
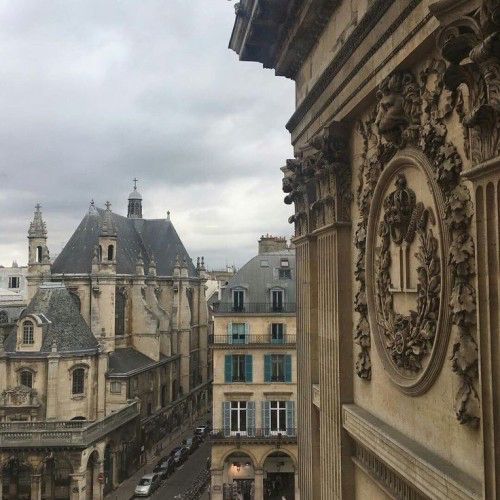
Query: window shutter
(247, 332)
(288, 368)
(228, 368)
(290, 418)
(230, 333)
(284, 333)
(266, 417)
(226, 417)
(248, 368)
(267, 368)
(251, 418)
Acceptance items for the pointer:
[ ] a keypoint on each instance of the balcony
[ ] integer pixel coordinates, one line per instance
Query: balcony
(266, 340)
(69, 433)
(254, 436)
(254, 308)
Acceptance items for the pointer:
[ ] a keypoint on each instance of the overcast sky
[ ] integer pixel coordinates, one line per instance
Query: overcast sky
(95, 92)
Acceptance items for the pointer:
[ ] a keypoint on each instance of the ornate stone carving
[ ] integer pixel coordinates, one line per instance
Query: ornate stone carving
(19, 396)
(471, 45)
(413, 115)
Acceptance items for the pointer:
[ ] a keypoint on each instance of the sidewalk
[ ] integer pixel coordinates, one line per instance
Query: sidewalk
(125, 490)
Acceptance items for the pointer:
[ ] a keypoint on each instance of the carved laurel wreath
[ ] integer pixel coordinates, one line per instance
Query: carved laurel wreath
(409, 338)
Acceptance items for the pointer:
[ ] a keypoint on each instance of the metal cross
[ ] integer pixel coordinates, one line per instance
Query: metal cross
(135, 179)
(108, 205)
(38, 207)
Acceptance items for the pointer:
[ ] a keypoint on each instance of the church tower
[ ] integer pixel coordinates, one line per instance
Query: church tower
(38, 257)
(134, 203)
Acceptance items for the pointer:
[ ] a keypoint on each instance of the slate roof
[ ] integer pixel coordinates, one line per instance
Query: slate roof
(135, 237)
(258, 280)
(61, 322)
(127, 360)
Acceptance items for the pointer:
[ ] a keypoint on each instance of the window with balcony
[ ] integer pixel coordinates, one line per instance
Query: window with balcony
(239, 418)
(277, 368)
(26, 378)
(238, 368)
(277, 300)
(277, 333)
(278, 417)
(238, 300)
(78, 381)
(238, 333)
(28, 333)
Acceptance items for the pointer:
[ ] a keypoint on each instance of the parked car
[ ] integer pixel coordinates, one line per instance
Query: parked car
(173, 451)
(202, 430)
(192, 443)
(165, 467)
(181, 455)
(147, 485)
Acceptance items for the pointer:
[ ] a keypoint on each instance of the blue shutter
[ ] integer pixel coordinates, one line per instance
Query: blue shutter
(226, 417)
(266, 417)
(267, 368)
(251, 418)
(248, 368)
(247, 330)
(228, 368)
(290, 418)
(230, 333)
(288, 368)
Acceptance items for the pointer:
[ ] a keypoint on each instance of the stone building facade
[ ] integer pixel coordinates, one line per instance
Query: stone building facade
(395, 187)
(109, 356)
(254, 444)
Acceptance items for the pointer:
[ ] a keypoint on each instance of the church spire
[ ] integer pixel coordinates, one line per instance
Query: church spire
(134, 203)
(37, 229)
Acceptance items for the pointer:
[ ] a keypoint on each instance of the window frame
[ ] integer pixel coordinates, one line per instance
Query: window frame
(279, 409)
(277, 305)
(238, 304)
(277, 334)
(112, 387)
(76, 383)
(277, 366)
(23, 372)
(14, 282)
(28, 333)
(238, 409)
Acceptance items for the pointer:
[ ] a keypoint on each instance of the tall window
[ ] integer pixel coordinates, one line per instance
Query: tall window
(38, 256)
(237, 368)
(277, 368)
(277, 333)
(238, 297)
(100, 253)
(120, 313)
(14, 282)
(238, 333)
(78, 385)
(238, 416)
(28, 336)
(111, 252)
(26, 378)
(277, 300)
(278, 416)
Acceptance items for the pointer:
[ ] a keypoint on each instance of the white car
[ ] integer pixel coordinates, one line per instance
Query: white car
(147, 484)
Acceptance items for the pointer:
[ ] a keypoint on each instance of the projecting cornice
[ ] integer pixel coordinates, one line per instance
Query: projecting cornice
(280, 34)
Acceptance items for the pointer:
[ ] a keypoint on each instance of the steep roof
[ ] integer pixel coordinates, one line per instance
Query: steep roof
(127, 360)
(135, 237)
(61, 322)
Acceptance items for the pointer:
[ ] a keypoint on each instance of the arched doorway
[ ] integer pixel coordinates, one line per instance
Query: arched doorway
(93, 482)
(16, 480)
(279, 477)
(56, 478)
(238, 477)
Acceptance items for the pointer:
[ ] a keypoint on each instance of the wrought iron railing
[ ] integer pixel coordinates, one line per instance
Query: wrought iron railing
(264, 434)
(63, 433)
(252, 339)
(254, 307)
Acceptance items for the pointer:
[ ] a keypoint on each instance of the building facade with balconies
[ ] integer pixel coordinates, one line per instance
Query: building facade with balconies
(254, 443)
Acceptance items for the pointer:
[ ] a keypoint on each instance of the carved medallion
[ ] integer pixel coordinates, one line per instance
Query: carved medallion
(405, 282)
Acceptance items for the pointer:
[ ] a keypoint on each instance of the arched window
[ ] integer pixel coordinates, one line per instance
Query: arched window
(100, 253)
(26, 378)
(38, 256)
(28, 337)
(120, 313)
(78, 385)
(4, 318)
(111, 252)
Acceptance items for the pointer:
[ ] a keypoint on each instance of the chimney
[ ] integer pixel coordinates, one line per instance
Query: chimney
(269, 243)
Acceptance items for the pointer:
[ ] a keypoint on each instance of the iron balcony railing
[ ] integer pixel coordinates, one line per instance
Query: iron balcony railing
(72, 433)
(242, 340)
(254, 307)
(263, 434)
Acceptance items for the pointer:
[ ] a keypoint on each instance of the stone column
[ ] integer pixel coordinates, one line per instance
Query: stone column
(486, 188)
(296, 485)
(102, 368)
(77, 486)
(52, 385)
(98, 486)
(49, 484)
(36, 487)
(259, 485)
(216, 485)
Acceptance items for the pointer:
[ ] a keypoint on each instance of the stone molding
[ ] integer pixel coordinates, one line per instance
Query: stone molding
(426, 472)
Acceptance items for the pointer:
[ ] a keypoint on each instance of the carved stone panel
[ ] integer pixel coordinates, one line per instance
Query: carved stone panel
(407, 290)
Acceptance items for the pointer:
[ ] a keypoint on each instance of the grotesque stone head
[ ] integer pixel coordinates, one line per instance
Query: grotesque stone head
(398, 106)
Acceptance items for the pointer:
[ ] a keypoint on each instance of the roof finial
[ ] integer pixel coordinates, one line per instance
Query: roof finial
(135, 179)
(168, 214)
(108, 206)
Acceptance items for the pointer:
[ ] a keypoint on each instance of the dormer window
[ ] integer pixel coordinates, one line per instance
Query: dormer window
(277, 300)
(26, 378)
(238, 300)
(28, 333)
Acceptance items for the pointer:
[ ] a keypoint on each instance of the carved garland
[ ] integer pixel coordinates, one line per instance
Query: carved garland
(403, 107)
